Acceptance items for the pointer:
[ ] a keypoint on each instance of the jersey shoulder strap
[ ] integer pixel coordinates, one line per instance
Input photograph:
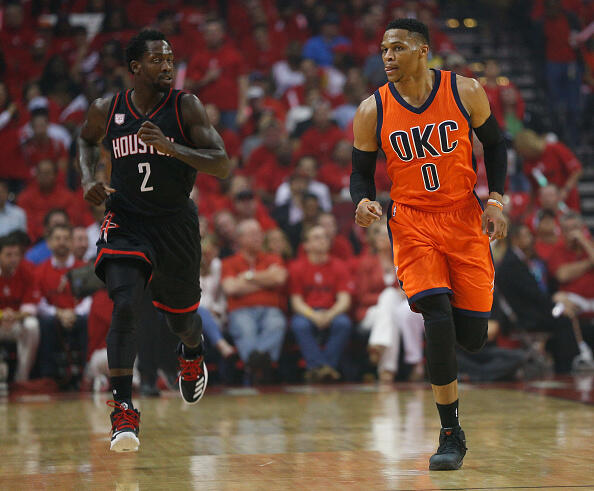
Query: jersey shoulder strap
(112, 107)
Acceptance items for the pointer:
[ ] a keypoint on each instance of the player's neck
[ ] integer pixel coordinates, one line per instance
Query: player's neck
(145, 98)
(416, 88)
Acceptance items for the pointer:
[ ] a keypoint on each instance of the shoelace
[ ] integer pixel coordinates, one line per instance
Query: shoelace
(190, 369)
(126, 418)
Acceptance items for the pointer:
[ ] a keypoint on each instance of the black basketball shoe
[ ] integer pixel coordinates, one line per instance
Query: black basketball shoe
(124, 427)
(451, 451)
(193, 375)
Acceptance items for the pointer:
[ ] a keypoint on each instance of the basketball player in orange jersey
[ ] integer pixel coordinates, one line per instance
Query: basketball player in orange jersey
(423, 121)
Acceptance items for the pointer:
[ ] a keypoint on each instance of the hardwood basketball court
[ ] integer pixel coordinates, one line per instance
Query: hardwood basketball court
(349, 437)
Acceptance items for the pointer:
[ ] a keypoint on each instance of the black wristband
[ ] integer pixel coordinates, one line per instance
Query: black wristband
(363, 175)
(493, 142)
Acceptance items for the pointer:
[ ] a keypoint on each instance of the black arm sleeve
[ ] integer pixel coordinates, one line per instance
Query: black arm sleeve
(495, 153)
(363, 175)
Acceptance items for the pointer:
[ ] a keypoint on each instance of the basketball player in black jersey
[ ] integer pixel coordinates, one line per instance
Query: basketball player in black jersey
(158, 138)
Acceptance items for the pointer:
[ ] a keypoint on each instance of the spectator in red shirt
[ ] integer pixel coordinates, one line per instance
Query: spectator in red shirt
(252, 281)
(494, 87)
(18, 305)
(563, 71)
(62, 317)
(546, 162)
(270, 163)
(572, 262)
(263, 50)
(218, 74)
(339, 245)
(320, 288)
(45, 194)
(547, 235)
(368, 33)
(225, 228)
(549, 199)
(321, 138)
(41, 146)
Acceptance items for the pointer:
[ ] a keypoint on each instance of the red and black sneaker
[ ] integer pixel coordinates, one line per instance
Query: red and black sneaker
(124, 427)
(193, 376)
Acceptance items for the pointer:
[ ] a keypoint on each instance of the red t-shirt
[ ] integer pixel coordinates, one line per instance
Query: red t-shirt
(320, 142)
(557, 162)
(18, 289)
(545, 251)
(264, 169)
(53, 285)
(265, 297)
(341, 247)
(36, 151)
(583, 285)
(318, 284)
(36, 205)
(557, 30)
(222, 92)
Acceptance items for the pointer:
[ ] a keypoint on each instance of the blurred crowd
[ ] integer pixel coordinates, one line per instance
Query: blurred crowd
(292, 289)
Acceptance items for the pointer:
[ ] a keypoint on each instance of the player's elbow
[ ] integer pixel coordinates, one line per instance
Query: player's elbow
(224, 167)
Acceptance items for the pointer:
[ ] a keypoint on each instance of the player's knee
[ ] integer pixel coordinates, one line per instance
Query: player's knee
(181, 324)
(475, 336)
(434, 308)
(124, 311)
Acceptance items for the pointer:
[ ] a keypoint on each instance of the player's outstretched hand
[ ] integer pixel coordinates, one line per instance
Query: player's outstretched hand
(96, 192)
(151, 134)
(367, 213)
(494, 223)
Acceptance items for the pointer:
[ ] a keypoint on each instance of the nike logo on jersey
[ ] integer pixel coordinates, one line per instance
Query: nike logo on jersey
(415, 142)
(132, 145)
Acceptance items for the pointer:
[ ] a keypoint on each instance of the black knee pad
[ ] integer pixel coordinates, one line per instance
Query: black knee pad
(441, 338)
(471, 332)
(183, 324)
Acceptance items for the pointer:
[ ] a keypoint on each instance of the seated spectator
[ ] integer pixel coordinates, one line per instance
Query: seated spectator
(546, 162)
(247, 206)
(522, 280)
(307, 166)
(572, 263)
(547, 235)
(320, 48)
(225, 228)
(251, 281)
(382, 308)
(549, 199)
(80, 243)
(270, 163)
(44, 194)
(18, 304)
(212, 302)
(310, 210)
(320, 288)
(339, 245)
(62, 317)
(286, 73)
(12, 217)
(276, 242)
(322, 136)
(42, 147)
(41, 252)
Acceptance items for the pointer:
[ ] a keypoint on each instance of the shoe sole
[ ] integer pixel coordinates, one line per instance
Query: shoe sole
(125, 442)
(444, 467)
(201, 395)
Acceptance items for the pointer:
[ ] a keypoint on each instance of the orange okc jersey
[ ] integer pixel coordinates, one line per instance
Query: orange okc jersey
(428, 149)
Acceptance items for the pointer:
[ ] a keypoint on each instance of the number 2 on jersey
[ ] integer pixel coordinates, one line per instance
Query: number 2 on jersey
(145, 167)
(430, 177)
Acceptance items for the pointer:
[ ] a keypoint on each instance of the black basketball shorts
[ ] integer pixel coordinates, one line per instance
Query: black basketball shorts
(169, 248)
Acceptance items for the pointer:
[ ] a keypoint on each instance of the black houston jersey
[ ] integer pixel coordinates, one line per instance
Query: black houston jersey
(146, 181)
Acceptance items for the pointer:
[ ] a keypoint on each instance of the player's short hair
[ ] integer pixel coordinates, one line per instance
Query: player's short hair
(412, 26)
(137, 45)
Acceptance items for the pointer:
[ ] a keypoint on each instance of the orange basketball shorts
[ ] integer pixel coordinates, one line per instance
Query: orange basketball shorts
(443, 252)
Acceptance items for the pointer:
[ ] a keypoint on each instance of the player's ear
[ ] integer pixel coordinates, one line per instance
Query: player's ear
(424, 50)
(134, 66)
